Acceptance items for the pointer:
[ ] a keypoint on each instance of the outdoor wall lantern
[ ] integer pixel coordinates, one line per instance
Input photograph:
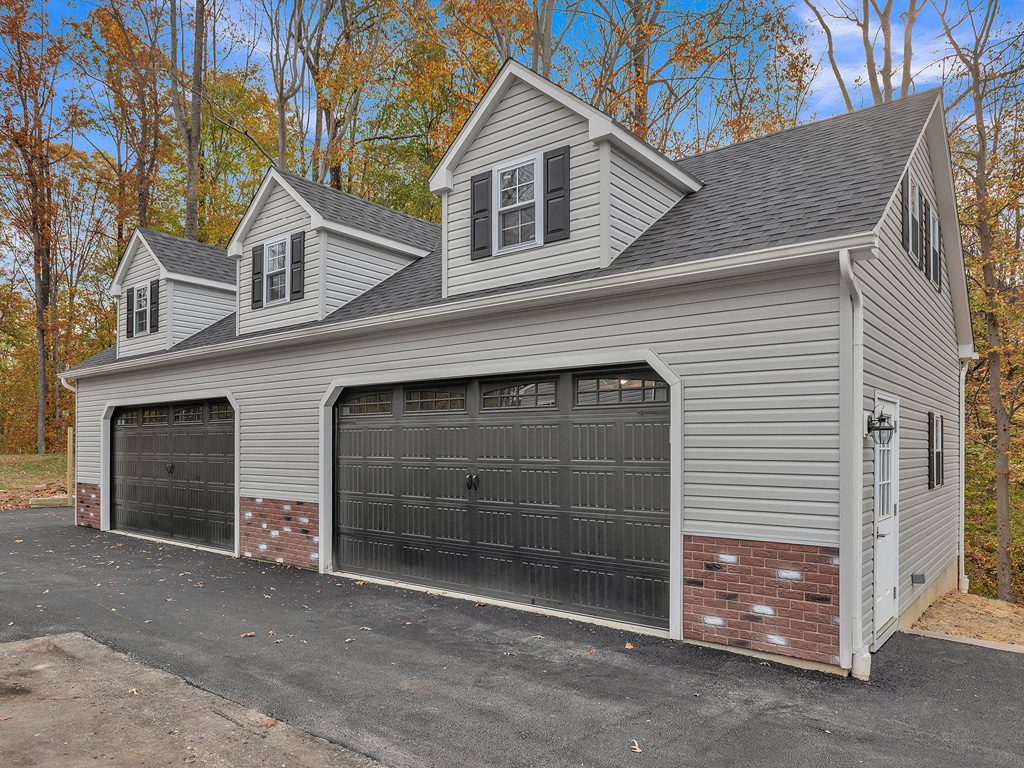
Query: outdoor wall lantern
(881, 427)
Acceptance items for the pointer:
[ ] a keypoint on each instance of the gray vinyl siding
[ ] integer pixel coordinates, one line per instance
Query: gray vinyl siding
(195, 307)
(637, 199)
(759, 357)
(526, 122)
(280, 216)
(143, 269)
(910, 350)
(353, 268)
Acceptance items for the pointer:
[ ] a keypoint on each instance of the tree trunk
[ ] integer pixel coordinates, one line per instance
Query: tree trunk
(192, 140)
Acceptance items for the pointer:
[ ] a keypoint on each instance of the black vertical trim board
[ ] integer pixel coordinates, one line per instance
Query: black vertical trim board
(129, 320)
(480, 209)
(938, 255)
(556, 195)
(926, 237)
(154, 306)
(931, 449)
(915, 226)
(905, 212)
(298, 265)
(257, 277)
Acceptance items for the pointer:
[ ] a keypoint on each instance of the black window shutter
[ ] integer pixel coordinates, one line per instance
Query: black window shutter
(257, 277)
(937, 245)
(480, 207)
(940, 454)
(129, 321)
(905, 212)
(915, 225)
(154, 306)
(556, 195)
(926, 238)
(931, 450)
(298, 266)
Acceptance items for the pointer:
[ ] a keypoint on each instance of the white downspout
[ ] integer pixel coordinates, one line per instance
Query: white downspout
(853, 470)
(963, 583)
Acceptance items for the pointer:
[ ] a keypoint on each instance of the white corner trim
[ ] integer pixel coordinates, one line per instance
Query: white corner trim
(106, 446)
(604, 192)
(499, 366)
(646, 279)
(601, 128)
(444, 244)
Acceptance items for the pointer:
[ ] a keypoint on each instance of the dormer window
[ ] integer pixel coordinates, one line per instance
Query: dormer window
(276, 271)
(517, 205)
(141, 314)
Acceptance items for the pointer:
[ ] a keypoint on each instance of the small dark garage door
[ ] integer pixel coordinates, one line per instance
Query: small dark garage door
(550, 489)
(174, 472)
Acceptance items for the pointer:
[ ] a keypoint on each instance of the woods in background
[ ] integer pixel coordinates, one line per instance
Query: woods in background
(165, 113)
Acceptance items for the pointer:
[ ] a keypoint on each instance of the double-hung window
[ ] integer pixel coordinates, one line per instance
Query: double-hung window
(517, 204)
(936, 468)
(141, 311)
(275, 272)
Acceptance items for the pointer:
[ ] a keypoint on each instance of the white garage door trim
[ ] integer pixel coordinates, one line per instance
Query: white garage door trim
(516, 366)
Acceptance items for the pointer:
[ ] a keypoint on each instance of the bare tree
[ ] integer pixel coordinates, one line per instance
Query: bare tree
(287, 66)
(187, 109)
(874, 20)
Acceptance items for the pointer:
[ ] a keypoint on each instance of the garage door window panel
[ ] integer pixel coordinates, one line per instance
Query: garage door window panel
(434, 400)
(369, 404)
(531, 394)
(622, 389)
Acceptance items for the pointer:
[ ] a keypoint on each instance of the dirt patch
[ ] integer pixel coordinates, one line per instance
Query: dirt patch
(18, 498)
(67, 702)
(977, 617)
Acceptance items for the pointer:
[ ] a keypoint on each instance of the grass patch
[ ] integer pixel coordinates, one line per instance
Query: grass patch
(29, 470)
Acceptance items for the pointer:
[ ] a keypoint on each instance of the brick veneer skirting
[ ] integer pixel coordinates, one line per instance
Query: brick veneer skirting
(285, 532)
(87, 505)
(765, 596)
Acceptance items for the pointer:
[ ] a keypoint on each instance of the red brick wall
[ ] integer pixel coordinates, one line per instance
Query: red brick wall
(87, 505)
(777, 598)
(285, 532)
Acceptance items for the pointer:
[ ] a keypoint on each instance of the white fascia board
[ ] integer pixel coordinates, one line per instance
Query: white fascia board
(647, 279)
(372, 238)
(601, 127)
(180, 278)
(126, 260)
(272, 177)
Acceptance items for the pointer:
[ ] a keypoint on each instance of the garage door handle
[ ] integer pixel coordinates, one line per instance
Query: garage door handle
(881, 535)
(469, 482)
(476, 482)
(170, 468)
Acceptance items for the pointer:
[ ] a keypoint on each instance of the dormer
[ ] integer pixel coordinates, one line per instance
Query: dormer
(539, 183)
(167, 289)
(304, 249)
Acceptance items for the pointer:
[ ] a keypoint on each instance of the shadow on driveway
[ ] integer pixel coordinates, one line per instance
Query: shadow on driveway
(413, 679)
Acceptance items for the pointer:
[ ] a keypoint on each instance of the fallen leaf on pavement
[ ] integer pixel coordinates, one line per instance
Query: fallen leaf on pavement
(366, 629)
(267, 722)
(590, 651)
(629, 646)
(4, 717)
(635, 746)
(271, 633)
(248, 634)
(359, 583)
(133, 692)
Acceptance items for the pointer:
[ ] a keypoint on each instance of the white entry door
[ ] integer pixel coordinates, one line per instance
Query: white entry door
(887, 497)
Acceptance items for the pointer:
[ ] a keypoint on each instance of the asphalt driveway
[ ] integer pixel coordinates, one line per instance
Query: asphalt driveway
(413, 679)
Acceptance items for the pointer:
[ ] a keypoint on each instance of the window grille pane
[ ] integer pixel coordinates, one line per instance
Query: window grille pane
(620, 390)
(221, 412)
(127, 419)
(151, 416)
(538, 394)
(188, 414)
(368, 404)
(426, 400)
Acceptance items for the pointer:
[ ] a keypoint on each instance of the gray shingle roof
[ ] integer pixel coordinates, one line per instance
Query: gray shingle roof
(353, 211)
(187, 257)
(816, 181)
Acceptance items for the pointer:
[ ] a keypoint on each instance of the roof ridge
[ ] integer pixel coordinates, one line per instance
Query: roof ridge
(350, 195)
(895, 102)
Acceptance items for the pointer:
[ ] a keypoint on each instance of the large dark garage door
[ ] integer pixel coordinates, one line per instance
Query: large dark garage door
(549, 489)
(174, 472)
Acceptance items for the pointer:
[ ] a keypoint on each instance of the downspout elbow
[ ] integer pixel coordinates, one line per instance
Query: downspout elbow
(64, 383)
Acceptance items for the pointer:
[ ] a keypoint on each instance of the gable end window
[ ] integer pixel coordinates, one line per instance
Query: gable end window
(936, 468)
(140, 314)
(516, 204)
(921, 231)
(275, 272)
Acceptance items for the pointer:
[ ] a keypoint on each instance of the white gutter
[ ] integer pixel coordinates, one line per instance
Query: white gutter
(852, 472)
(67, 386)
(646, 279)
(963, 583)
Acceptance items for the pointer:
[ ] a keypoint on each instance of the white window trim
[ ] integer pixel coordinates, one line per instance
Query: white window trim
(538, 192)
(287, 271)
(135, 309)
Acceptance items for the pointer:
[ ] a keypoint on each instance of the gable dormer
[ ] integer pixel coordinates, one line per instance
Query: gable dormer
(304, 249)
(168, 289)
(539, 183)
